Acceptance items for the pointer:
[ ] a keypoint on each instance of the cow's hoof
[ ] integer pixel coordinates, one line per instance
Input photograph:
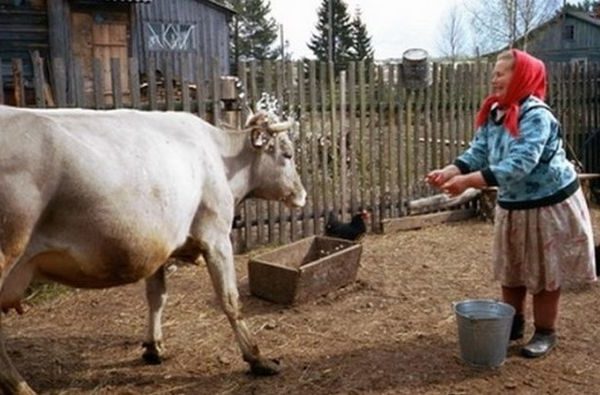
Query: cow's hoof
(265, 367)
(152, 353)
(24, 389)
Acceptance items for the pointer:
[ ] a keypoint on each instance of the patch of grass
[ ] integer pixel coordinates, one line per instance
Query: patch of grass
(43, 291)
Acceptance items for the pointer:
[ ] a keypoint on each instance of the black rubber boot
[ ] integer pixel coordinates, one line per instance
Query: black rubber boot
(541, 343)
(518, 327)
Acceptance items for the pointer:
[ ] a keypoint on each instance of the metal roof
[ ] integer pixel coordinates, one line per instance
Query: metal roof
(585, 16)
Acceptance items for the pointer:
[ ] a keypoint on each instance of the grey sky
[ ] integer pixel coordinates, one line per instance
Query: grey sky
(395, 25)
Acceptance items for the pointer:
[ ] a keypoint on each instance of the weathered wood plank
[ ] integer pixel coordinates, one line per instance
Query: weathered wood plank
(314, 154)
(401, 139)
(168, 83)
(216, 91)
(333, 128)
(435, 116)
(151, 88)
(324, 137)
(184, 72)
(362, 133)
(38, 79)
(343, 196)
(391, 195)
(134, 82)
(77, 86)
(116, 84)
(442, 201)
(19, 83)
(305, 146)
(425, 220)
(98, 84)
(372, 146)
(352, 137)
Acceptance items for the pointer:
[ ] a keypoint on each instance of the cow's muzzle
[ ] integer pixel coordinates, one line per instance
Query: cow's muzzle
(295, 199)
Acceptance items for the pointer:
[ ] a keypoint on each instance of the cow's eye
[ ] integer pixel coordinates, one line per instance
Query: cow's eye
(287, 155)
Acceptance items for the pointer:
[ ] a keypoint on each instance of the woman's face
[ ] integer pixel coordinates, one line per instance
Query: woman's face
(502, 74)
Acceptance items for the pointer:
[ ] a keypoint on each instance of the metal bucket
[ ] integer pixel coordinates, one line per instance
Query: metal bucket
(416, 71)
(483, 331)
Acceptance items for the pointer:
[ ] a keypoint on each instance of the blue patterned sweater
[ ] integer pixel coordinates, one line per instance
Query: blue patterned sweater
(530, 170)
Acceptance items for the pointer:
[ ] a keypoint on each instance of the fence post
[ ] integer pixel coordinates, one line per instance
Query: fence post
(216, 102)
(168, 83)
(60, 81)
(19, 86)
(38, 79)
(115, 74)
(78, 83)
(98, 84)
(134, 82)
(151, 75)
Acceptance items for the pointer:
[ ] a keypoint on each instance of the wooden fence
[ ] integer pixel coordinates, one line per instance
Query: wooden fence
(365, 140)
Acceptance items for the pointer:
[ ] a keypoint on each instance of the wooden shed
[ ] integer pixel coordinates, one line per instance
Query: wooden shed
(571, 36)
(83, 32)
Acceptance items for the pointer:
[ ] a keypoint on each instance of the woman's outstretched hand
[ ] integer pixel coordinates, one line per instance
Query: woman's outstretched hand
(438, 177)
(456, 185)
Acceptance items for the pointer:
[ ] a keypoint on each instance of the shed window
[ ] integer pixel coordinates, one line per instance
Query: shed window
(170, 36)
(569, 32)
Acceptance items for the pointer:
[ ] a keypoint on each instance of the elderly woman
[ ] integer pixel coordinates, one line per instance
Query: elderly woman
(542, 232)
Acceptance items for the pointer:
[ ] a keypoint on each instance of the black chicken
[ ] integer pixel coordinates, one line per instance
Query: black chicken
(352, 230)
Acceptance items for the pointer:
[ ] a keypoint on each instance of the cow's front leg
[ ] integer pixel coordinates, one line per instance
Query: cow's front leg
(219, 258)
(11, 381)
(156, 295)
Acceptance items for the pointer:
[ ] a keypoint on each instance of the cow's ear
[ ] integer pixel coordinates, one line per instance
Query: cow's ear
(259, 130)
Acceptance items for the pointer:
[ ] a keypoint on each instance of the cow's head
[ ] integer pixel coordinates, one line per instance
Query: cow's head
(274, 175)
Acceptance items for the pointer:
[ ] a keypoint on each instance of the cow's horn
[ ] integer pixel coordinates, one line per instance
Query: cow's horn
(281, 126)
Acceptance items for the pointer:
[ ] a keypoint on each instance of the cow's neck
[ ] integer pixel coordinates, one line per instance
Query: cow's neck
(238, 156)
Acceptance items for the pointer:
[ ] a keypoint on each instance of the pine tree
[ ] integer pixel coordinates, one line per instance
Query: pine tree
(254, 31)
(341, 34)
(585, 6)
(361, 48)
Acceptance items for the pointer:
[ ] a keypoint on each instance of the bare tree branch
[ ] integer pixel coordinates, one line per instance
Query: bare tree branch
(499, 23)
(453, 40)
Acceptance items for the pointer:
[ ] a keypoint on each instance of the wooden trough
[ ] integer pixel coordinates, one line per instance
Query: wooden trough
(305, 269)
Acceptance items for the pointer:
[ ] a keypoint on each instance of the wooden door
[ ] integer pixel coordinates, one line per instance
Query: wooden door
(109, 40)
(102, 38)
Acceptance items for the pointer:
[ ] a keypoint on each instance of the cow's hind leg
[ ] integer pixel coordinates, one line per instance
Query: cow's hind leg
(156, 295)
(219, 259)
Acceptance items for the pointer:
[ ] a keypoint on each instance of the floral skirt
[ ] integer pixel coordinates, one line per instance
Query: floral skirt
(544, 248)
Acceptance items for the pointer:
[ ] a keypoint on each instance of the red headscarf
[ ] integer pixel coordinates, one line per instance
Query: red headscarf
(529, 78)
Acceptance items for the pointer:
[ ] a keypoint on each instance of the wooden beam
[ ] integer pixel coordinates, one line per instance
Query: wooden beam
(421, 221)
(441, 201)
(56, 29)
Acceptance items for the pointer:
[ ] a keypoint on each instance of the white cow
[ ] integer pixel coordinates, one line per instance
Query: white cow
(96, 199)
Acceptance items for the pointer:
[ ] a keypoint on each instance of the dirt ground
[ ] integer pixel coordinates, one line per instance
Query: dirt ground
(391, 332)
